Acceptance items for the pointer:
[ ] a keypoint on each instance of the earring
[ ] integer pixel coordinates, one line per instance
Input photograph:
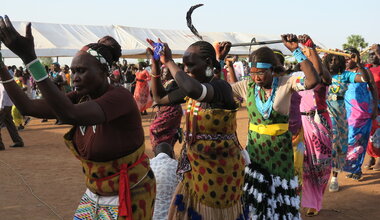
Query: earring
(209, 72)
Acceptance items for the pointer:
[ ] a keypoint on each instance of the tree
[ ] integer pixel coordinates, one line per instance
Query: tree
(355, 41)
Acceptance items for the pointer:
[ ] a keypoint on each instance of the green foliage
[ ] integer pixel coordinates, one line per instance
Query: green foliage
(355, 41)
(46, 61)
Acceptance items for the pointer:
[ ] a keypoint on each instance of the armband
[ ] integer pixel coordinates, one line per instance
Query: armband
(37, 70)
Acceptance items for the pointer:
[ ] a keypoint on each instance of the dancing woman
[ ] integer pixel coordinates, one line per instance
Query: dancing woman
(211, 163)
(270, 185)
(361, 107)
(107, 135)
(336, 65)
(167, 120)
(316, 125)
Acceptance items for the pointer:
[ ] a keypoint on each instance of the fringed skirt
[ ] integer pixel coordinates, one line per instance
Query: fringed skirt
(268, 196)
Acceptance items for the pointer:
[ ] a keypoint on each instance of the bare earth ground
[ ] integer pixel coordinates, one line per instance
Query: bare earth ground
(43, 178)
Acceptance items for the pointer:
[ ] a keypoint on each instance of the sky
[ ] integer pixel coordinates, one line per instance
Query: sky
(328, 21)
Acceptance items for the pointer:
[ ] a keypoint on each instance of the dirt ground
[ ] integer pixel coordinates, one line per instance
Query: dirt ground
(44, 181)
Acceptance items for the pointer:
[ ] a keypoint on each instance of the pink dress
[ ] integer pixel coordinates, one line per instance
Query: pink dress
(317, 136)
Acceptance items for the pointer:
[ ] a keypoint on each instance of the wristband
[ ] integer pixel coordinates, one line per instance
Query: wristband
(309, 43)
(37, 70)
(221, 64)
(300, 57)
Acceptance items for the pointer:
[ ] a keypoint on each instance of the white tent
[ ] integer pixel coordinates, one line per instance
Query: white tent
(64, 40)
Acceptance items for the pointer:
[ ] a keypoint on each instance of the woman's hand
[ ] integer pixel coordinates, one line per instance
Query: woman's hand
(290, 41)
(21, 46)
(155, 69)
(165, 54)
(222, 49)
(306, 41)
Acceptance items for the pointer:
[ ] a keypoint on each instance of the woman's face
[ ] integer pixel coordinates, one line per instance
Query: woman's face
(262, 78)
(195, 66)
(88, 74)
(333, 65)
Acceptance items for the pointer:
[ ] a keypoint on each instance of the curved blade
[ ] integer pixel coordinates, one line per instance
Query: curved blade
(189, 21)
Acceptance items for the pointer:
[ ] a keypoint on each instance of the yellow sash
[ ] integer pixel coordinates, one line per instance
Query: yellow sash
(273, 129)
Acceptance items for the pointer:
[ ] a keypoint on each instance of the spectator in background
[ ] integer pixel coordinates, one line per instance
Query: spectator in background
(115, 75)
(66, 76)
(6, 119)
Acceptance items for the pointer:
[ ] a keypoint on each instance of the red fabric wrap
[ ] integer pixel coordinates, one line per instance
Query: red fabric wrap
(125, 205)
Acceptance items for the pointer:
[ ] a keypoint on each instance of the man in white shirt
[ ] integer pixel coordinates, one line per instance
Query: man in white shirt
(7, 120)
(164, 168)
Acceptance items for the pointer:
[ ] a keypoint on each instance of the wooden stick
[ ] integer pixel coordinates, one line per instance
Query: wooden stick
(365, 51)
(257, 43)
(319, 50)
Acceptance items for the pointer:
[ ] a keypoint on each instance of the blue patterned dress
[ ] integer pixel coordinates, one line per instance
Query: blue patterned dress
(359, 109)
(337, 112)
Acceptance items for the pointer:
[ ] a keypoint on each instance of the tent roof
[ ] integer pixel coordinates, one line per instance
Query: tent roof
(64, 40)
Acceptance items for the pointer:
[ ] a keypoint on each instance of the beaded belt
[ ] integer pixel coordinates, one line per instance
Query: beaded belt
(312, 112)
(214, 137)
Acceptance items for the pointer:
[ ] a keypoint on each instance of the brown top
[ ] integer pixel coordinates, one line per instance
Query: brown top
(121, 133)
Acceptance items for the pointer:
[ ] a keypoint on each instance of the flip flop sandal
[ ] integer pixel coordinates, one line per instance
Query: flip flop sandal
(357, 176)
(311, 213)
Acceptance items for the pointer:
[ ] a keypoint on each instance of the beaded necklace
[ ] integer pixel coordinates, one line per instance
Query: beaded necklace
(195, 106)
(336, 86)
(265, 109)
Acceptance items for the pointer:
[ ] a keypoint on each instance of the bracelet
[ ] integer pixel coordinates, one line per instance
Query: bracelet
(7, 81)
(300, 57)
(37, 70)
(155, 76)
(221, 62)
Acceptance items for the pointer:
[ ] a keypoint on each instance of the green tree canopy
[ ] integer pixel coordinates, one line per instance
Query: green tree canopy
(355, 41)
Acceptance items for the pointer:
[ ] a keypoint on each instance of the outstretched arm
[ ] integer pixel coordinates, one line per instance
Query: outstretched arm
(36, 108)
(190, 86)
(87, 113)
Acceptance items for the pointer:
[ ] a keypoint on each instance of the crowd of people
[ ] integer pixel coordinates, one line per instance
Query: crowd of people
(306, 123)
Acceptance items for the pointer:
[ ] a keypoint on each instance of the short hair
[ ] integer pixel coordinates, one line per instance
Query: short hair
(164, 147)
(206, 50)
(341, 61)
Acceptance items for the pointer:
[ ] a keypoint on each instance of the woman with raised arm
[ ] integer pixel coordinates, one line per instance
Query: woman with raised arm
(107, 135)
(211, 165)
(167, 120)
(341, 78)
(270, 184)
(361, 108)
(316, 125)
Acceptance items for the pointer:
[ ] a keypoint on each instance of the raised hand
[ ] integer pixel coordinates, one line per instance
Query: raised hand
(290, 41)
(222, 49)
(20, 45)
(155, 63)
(306, 41)
(165, 54)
